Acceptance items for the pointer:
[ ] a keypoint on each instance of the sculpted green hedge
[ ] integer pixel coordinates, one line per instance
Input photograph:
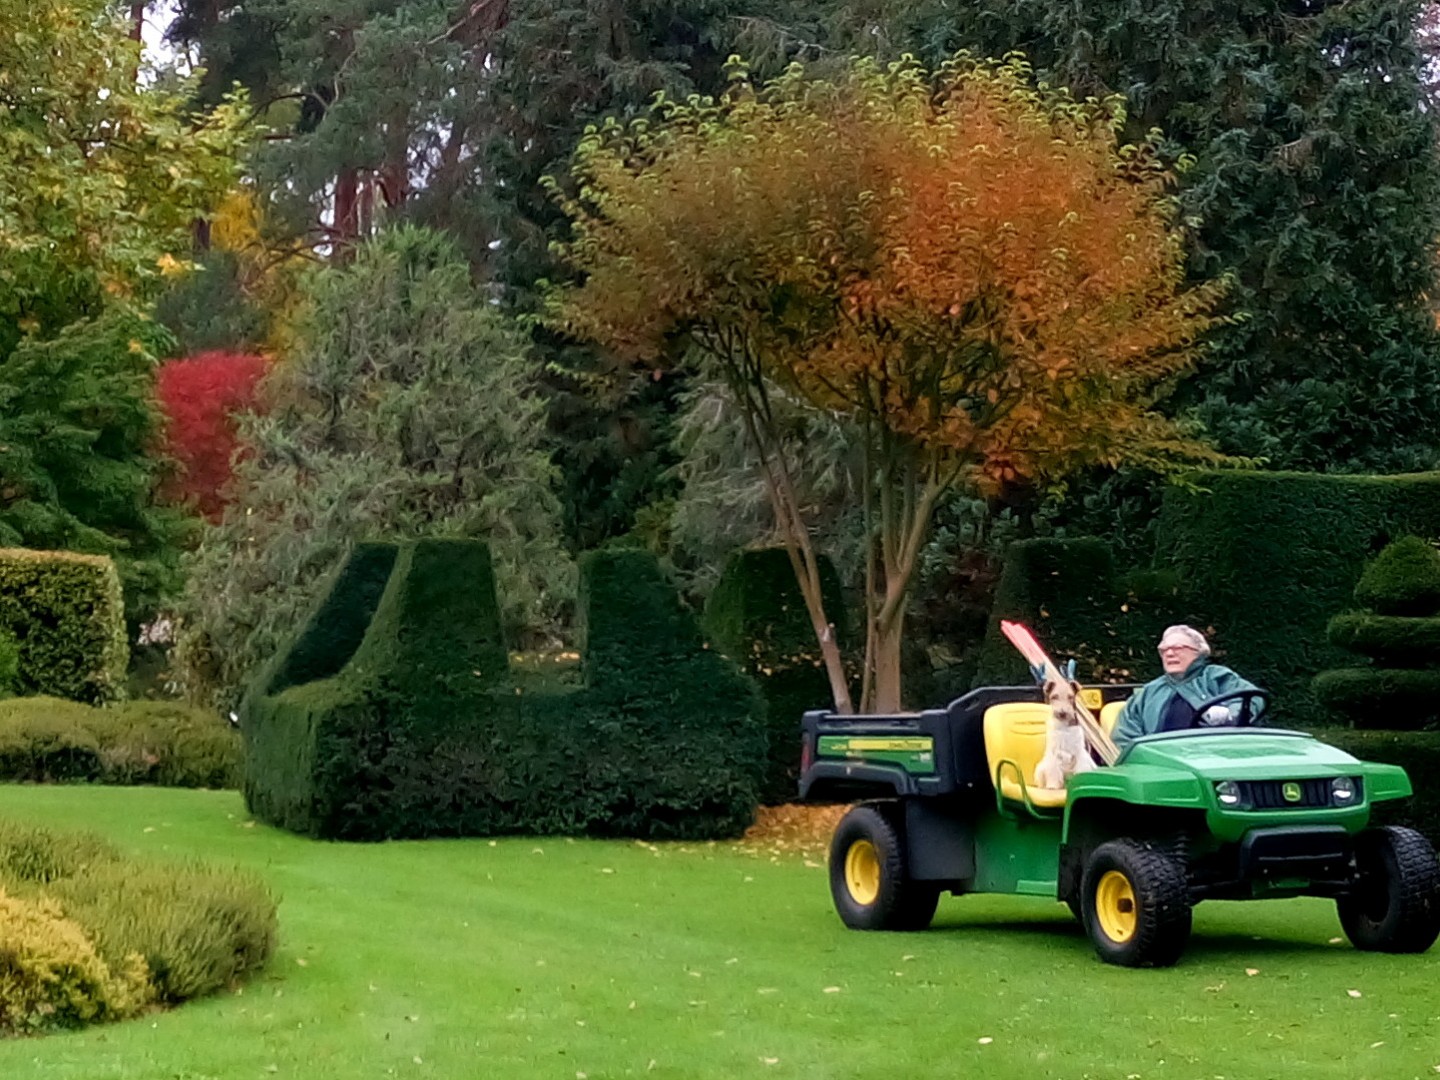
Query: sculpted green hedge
(421, 732)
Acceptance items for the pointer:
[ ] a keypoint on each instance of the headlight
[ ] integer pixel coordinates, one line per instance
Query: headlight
(1342, 791)
(1228, 792)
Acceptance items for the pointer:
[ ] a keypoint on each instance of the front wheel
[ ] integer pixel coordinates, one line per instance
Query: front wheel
(1395, 907)
(868, 878)
(1136, 904)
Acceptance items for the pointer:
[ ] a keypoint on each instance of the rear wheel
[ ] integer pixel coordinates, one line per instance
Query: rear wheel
(1396, 903)
(868, 878)
(1136, 904)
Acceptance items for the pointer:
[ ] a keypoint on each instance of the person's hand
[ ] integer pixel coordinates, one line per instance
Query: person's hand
(1217, 716)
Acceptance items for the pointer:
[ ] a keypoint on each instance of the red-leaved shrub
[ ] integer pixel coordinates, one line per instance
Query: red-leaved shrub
(200, 396)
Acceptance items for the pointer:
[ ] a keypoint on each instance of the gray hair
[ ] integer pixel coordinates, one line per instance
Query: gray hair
(1185, 635)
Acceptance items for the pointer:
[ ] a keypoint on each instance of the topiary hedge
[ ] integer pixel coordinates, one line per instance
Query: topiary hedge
(90, 936)
(1400, 688)
(47, 740)
(757, 616)
(421, 732)
(66, 615)
(1268, 558)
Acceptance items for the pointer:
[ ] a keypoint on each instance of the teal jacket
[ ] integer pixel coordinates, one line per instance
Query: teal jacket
(1144, 713)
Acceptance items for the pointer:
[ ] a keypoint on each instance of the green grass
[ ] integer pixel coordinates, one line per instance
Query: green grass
(549, 958)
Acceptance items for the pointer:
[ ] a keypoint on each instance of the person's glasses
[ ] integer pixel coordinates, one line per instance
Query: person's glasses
(1175, 649)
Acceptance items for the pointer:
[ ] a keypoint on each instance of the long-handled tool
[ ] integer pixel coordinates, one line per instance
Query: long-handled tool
(1045, 668)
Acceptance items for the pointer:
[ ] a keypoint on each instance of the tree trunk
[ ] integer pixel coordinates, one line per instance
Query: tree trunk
(137, 20)
(889, 639)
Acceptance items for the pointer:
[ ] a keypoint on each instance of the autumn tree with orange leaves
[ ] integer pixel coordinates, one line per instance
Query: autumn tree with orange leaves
(967, 267)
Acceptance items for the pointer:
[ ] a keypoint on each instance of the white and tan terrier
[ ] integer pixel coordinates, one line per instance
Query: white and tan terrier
(1065, 751)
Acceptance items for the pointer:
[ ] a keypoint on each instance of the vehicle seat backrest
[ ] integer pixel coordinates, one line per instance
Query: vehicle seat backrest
(1110, 716)
(1014, 745)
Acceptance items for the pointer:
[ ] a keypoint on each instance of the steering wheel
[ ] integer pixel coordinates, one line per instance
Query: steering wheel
(1248, 713)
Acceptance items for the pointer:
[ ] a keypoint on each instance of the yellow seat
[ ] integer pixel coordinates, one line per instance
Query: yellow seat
(1110, 716)
(1014, 745)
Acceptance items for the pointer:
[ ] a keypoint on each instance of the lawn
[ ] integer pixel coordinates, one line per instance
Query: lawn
(524, 958)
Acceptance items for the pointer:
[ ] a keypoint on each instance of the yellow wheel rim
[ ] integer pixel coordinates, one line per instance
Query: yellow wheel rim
(1115, 907)
(862, 872)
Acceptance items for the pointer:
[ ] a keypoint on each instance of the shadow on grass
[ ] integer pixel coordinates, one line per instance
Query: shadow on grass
(1210, 946)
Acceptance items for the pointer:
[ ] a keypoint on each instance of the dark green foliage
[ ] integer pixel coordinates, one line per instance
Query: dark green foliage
(9, 664)
(1314, 183)
(1418, 752)
(1404, 579)
(1070, 596)
(46, 740)
(1402, 687)
(1393, 639)
(1268, 558)
(1394, 699)
(67, 619)
(78, 420)
(207, 310)
(422, 733)
(757, 616)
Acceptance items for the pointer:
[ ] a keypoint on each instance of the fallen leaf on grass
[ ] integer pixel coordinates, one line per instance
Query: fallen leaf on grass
(832, 989)
(302, 961)
(770, 1061)
(1354, 993)
(1252, 971)
(1377, 1044)
(1337, 941)
(986, 1041)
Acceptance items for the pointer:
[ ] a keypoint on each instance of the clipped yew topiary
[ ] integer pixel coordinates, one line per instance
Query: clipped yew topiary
(66, 615)
(422, 732)
(757, 616)
(1399, 687)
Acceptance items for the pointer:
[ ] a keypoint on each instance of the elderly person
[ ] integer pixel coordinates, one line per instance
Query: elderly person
(1169, 702)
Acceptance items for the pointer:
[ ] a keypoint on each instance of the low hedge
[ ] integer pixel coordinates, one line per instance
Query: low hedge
(67, 617)
(1268, 558)
(46, 740)
(757, 616)
(92, 936)
(422, 733)
(1418, 752)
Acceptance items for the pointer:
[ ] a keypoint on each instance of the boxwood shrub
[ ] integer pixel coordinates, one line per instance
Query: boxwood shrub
(47, 740)
(67, 618)
(422, 733)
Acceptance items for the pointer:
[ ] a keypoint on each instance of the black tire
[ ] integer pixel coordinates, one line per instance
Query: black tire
(1136, 903)
(1396, 904)
(868, 880)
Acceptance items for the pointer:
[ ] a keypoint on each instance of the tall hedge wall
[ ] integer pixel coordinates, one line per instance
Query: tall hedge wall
(1071, 595)
(420, 732)
(66, 615)
(1268, 558)
(757, 616)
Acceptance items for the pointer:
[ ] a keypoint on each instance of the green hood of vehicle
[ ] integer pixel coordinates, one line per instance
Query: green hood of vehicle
(1248, 755)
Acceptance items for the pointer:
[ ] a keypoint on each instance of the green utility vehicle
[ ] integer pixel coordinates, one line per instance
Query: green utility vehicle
(1226, 813)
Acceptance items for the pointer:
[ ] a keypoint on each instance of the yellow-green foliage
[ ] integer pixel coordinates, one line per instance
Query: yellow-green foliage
(143, 742)
(87, 935)
(67, 615)
(51, 975)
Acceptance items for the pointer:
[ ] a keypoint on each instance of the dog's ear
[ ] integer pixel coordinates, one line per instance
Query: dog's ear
(1074, 685)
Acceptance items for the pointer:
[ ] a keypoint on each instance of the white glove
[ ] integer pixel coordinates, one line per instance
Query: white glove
(1216, 716)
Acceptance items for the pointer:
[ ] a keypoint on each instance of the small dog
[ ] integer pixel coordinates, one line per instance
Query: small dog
(1065, 751)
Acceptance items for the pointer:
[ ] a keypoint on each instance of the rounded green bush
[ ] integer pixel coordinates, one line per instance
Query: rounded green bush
(1404, 579)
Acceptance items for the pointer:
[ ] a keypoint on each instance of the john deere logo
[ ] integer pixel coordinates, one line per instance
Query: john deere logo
(1291, 792)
